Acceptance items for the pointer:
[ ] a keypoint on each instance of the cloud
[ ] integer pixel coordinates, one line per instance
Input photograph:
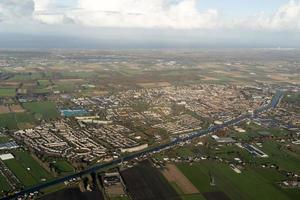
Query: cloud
(287, 17)
(182, 14)
(11, 10)
(174, 14)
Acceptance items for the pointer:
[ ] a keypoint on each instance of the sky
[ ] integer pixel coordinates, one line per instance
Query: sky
(149, 23)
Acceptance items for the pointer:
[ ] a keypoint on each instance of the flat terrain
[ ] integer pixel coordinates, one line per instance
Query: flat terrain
(7, 92)
(63, 166)
(26, 169)
(16, 108)
(173, 175)
(43, 109)
(250, 184)
(4, 186)
(4, 109)
(146, 183)
(73, 194)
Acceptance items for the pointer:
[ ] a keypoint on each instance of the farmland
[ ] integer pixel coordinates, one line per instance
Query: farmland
(42, 110)
(251, 184)
(63, 166)
(7, 92)
(27, 170)
(4, 186)
(16, 120)
(145, 182)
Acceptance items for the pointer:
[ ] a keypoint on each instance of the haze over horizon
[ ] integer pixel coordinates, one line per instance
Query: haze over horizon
(149, 23)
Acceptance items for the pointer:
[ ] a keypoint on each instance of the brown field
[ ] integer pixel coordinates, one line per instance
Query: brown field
(154, 84)
(172, 174)
(16, 108)
(115, 190)
(10, 83)
(71, 80)
(208, 78)
(4, 109)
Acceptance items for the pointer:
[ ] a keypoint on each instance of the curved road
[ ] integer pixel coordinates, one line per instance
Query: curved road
(274, 102)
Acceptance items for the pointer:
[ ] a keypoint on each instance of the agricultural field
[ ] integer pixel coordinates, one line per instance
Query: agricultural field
(4, 109)
(63, 166)
(7, 92)
(43, 83)
(4, 139)
(8, 121)
(145, 182)
(16, 108)
(281, 156)
(27, 170)
(4, 186)
(252, 183)
(293, 98)
(73, 193)
(42, 110)
(16, 120)
(26, 76)
(180, 183)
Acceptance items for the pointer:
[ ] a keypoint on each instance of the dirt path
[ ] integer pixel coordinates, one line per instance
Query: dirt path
(173, 174)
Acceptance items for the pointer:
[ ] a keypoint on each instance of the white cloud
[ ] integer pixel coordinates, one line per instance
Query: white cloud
(11, 10)
(181, 14)
(287, 17)
(175, 14)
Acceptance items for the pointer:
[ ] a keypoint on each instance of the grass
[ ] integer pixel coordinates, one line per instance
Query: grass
(53, 188)
(293, 98)
(65, 87)
(7, 92)
(63, 166)
(27, 170)
(186, 196)
(16, 120)
(43, 83)
(193, 197)
(41, 91)
(282, 157)
(26, 76)
(21, 173)
(4, 186)
(44, 109)
(251, 184)
(78, 74)
(8, 121)
(4, 139)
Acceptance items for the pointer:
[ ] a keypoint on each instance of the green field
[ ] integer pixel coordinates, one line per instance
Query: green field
(63, 166)
(8, 121)
(65, 87)
(293, 98)
(4, 186)
(42, 110)
(26, 76)
(250, 184)
(78, 74)
(28, 171)
(4, 139)
(193, 197)
(7, 92)
(16, 120)
(282, 157)
(41, 90)
(43, 83)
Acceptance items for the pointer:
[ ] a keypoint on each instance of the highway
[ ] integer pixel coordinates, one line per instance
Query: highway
(273, 103)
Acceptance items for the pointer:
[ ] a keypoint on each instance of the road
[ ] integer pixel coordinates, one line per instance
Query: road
(274, 102)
